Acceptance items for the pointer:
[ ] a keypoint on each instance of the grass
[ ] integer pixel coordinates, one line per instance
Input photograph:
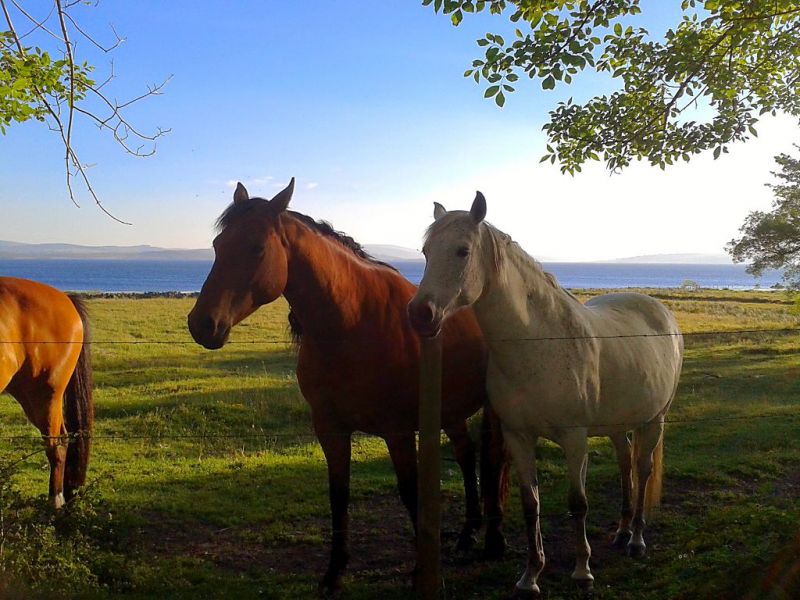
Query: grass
(219, 490)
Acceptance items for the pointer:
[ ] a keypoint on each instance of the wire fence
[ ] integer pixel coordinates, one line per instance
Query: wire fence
(286, 342)
(310, 437)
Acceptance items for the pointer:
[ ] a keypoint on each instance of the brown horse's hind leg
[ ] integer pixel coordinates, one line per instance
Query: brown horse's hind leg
(464, 449)
(336, 447)
(623, 449)
(47, 417)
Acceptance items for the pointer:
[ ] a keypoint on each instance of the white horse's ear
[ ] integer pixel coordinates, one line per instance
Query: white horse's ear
(240, 194)
(438, 211)
(478, 210)
(281, 200)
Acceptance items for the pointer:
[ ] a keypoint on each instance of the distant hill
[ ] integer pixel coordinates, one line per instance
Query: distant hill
(676, 259)
(19, 251)
(390, 253)
(384, 252)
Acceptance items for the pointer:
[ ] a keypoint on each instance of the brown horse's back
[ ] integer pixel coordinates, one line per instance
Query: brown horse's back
(374, 384)
(34, 316)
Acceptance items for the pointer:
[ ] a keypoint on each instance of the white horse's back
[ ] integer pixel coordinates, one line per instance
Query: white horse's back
(641, 352)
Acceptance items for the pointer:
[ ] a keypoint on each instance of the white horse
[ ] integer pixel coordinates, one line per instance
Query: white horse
(558, 369)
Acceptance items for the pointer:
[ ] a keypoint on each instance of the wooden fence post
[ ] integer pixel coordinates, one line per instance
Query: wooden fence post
(429, 570)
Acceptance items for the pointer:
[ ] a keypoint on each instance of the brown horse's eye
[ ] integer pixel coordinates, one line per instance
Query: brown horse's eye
(462, 252)
(258, 250)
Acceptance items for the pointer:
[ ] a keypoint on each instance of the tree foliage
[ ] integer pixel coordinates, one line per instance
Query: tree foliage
(47, 82)
(733, 60)
(771, 240)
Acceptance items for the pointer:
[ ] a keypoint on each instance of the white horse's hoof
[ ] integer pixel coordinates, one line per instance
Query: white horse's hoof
(57, 501)
(527, 593)
(636, 550)
(621, 539)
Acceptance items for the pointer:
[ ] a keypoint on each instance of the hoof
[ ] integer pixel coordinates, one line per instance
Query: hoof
(330, 587)
(495, 545)
(587, 585)
(526, 594)
(57, 502)
(466, 540)
(621, 539)
(636, 550)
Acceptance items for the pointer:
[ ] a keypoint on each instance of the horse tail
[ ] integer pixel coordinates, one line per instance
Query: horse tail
(79, 409)
(652, 494)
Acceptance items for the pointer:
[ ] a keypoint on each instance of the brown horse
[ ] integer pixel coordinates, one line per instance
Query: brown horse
(44, 359)
(358, 358)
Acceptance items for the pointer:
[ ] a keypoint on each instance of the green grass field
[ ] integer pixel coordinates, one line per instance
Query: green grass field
(206, 481)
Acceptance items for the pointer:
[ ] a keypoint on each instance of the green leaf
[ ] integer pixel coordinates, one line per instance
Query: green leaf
(500, 99)
(491, 91)
(549, 82)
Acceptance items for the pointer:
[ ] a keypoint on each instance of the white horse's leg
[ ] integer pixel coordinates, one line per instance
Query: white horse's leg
(575, 445)
(647, 438)
(623, 449)
(523, 452)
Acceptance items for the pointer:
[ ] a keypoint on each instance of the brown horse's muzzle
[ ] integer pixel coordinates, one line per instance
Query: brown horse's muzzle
(207, 331)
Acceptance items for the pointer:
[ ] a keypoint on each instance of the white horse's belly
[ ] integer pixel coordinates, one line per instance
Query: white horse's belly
(601, 388)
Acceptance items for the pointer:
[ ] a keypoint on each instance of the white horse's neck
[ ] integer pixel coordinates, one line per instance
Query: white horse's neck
(520, 299)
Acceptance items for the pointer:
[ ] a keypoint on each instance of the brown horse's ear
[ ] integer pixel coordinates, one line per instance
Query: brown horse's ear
(478, 210)
(438, 211)
(240, 195)
(281, 200)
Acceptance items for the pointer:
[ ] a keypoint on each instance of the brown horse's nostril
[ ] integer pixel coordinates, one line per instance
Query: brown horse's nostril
(209, 325)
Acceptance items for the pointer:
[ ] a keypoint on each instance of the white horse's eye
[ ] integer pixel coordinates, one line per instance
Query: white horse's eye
(462, 252)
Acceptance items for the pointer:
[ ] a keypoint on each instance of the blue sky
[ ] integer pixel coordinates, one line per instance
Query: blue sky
(365, 103)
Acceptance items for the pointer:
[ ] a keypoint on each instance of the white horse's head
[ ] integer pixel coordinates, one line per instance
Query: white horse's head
(461, 256)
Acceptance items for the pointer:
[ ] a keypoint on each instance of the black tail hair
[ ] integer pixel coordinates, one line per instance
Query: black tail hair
(79, 410)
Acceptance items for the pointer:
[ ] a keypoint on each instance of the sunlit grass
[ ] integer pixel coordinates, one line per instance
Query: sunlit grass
(207, 480)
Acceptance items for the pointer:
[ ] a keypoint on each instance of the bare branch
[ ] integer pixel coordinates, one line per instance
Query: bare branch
(36, 24)
(61, 119)
(71, 111)
(106, 49)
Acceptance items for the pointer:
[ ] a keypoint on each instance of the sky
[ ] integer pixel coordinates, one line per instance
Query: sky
(364, 103)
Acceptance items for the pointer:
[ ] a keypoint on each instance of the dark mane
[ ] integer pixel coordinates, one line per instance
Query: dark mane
(238, 209)
(327, 230)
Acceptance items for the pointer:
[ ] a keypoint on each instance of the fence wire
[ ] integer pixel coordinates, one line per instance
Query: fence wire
(312, 437)
(287, 342)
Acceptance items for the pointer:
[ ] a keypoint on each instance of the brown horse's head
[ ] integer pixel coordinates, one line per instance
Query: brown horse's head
(250, 266)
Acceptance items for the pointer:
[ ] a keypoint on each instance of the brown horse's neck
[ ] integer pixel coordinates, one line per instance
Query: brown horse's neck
(330, 289)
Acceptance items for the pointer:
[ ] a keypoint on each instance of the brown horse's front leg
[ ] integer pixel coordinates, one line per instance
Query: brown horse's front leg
(403, 453)
(336, 446)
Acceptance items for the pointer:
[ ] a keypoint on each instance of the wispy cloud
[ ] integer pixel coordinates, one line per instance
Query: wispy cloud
(251, 181)
(312, 185)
